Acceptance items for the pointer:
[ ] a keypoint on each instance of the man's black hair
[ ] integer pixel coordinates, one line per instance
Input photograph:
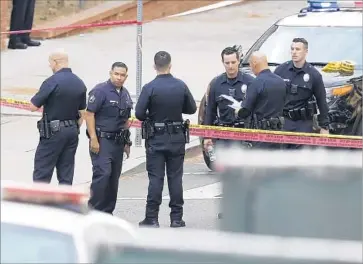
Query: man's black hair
(301, 40)
(119, 64)
(229, 51)
(162, 60)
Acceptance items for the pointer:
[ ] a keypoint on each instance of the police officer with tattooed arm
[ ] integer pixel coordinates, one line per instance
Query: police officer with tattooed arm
(108, 111)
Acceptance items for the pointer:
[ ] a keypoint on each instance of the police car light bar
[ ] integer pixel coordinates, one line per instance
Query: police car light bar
(331, 5)
(40, 193)
(322, 5)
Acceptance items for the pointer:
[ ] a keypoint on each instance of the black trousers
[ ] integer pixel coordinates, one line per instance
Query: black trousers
(165, 151)
(22, 17)
(106, 167)
(56, 152)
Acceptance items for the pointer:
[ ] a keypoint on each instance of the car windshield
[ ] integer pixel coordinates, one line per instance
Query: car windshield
(23, 244)
(325, 44)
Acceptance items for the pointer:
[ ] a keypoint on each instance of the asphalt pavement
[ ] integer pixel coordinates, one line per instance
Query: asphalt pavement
(195, 43)
(201, 203)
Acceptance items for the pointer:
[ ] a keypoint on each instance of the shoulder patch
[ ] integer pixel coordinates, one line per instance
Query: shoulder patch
(92, 99)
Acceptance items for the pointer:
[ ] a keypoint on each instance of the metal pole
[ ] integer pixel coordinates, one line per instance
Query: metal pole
(138, 140)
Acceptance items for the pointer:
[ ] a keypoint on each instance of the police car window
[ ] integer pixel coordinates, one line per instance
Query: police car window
(325, 44)
(22, 244)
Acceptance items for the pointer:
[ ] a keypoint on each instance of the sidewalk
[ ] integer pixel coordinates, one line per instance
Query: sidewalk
(19, 139)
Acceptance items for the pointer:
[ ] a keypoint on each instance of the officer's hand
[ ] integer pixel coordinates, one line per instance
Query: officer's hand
(324, 131)
(207, 142)
(127, 151)
(94, 145)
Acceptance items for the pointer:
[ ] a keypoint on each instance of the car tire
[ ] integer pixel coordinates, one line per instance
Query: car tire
(207, 160)
(201, 115)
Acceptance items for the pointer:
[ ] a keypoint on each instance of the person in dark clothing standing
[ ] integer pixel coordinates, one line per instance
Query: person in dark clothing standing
(107, 117)
(232, 83)
(160, 106)
(63, 97)
(265, 99)
(22, 16)
(306, 90)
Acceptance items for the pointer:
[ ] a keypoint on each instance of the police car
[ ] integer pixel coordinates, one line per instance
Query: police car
(41, 223)
(334, 32)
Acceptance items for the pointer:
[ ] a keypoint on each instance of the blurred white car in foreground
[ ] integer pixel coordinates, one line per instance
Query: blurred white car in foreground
(41, 223)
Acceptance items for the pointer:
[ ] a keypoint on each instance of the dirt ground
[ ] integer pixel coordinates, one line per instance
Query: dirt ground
(50, 10)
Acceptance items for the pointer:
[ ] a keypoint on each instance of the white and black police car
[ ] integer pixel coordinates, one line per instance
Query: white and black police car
(334, 32)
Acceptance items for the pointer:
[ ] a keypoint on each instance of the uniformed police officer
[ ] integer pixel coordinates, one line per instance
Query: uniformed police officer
(161, 105)
(63, 97)
(304, 82)
(233, 83)
(108, 111)
(265, 99)
(22, 16)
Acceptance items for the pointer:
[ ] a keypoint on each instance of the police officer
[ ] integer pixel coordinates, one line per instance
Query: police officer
(304, 82)
(22, 16)
(63, 97)
(108, 111)
(265, 99)
(233, 83)
(160, 106)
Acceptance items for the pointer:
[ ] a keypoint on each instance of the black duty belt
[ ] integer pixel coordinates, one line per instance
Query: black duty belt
(236, 125)
(298, 114)
(110, 135)
(67, 123)
(168, 124)
(170, 127)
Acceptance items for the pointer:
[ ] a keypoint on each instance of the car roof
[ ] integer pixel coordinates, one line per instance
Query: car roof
(324, 19)
(55, 219)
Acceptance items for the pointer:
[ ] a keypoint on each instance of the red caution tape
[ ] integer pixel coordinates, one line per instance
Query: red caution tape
(245, 134)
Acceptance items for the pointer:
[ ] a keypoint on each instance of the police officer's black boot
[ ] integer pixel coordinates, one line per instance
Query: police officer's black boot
(15, 43)
(147, 222)
(177, 223)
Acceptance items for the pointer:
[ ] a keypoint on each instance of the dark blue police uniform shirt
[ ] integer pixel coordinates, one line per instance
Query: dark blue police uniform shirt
(309, 83)
(165, 99)
(266, 95)
(222, 85)
(112, 109)
(63, 94)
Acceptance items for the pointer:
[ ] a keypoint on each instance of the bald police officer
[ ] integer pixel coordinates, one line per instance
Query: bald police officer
(108, 110)
(233, 83)
(304, 83)
(160, 106)
(63, 97)
(265, 99)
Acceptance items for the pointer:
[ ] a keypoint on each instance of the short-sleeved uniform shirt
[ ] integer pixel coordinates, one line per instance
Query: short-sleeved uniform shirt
(236, 88)
(165, 99)
(112, 107)
(304, 83)
(63, 94)
(266, 95)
